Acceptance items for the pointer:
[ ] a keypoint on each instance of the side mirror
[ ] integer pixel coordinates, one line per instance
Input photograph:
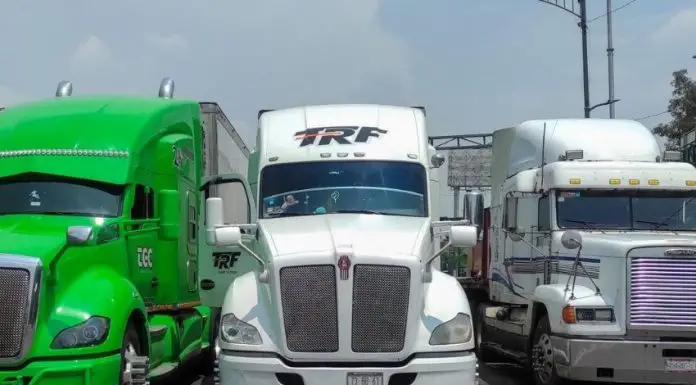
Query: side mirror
(217, 233)
(515, 235)
(463, 236)
(79, 235)
(571, 239)
(437, 160)
(228, 236)
(510, 213)
(169, 209)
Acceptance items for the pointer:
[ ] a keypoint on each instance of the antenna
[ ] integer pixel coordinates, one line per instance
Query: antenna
(543, 155)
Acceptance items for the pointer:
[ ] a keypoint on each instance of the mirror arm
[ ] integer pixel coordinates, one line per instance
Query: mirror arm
(524, 240)
(263, 276)
(427, 270)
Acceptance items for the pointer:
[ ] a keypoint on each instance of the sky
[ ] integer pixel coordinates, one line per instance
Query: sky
(477, 65)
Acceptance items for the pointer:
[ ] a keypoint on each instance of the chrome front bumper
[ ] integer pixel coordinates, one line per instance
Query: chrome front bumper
(261, 369)
(621, 361)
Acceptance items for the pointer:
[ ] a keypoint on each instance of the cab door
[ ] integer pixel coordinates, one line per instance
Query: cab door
(141, 239)
(219, 266)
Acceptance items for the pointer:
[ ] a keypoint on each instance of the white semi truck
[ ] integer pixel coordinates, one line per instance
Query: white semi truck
(345, 288)
(589, 253)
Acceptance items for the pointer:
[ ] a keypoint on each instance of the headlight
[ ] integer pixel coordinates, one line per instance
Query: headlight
(88, 333)
(235, 331)
(455, 331)
(573, 315)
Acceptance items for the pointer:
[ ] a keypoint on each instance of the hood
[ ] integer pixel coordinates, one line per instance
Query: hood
(39, 236)
(367, 234)
(617, 244)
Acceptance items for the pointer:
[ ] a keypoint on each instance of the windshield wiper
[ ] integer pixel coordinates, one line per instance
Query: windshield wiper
(584, 223)
(282, 215)
(370, 212)
(656, 225)
(358, 212)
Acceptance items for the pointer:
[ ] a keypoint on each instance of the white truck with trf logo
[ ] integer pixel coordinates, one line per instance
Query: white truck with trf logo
(589, 249)
(347, 289)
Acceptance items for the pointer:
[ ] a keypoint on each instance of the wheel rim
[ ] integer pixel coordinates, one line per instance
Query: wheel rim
(543, 358)
(129, 353)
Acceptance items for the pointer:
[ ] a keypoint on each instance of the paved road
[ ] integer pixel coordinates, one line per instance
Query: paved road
(493, 374)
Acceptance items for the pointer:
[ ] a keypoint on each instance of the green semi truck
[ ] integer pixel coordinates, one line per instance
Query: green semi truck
(99, 238)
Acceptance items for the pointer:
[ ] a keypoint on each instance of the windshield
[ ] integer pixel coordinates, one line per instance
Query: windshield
(622, 209)
(60, 196)
(380, 187)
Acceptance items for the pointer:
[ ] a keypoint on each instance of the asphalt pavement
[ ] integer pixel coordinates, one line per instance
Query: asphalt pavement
(492, 374)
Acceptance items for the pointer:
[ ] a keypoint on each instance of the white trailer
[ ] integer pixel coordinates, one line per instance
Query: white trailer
(226, 160)
(345, 290)
(591, 261)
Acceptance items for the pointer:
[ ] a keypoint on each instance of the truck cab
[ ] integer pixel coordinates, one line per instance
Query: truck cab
(592, 246)
(344, 288)
(99, 197)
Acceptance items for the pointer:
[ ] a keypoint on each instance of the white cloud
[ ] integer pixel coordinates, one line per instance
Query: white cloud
(9, 96)
(173, 43)
(91, 53)
(679, 30)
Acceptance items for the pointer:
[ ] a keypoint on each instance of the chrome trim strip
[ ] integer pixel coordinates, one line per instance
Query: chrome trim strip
(35, 268)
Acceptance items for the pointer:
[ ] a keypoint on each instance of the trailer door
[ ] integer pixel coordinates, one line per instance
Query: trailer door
(219, 266)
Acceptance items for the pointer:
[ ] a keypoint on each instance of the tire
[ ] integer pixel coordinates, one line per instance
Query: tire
(209, 356)
(542, 364)
(134, 366)
(482, 354)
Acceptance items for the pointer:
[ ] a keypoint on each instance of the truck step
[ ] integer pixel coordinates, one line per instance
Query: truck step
(157, 332)
(162, 369)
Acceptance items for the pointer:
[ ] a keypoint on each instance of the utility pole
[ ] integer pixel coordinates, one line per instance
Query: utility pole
(585, 64)
(610, 59)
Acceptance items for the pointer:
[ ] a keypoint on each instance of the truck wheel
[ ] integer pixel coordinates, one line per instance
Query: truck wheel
(210, 357)
(543, 369)
(134, 367)
(480, 334)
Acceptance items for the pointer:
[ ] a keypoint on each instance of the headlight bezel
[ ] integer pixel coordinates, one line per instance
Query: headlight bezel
(81, 334)
(246, 334)
(443, 334)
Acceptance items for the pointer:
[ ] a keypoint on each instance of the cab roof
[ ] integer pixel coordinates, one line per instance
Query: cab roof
(54, 136)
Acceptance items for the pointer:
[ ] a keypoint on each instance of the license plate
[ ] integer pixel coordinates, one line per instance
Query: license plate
(365, 379)
(680, 365)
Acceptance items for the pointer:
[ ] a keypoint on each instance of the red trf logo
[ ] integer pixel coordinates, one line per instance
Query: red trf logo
(344, 267)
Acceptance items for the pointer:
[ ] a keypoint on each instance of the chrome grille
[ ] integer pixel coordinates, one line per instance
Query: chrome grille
(380, 308)
(663, 292)
(310, 312)
(14, 298)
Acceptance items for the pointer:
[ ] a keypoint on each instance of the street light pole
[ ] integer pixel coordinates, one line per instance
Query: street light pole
(610, 59)
(569, 6)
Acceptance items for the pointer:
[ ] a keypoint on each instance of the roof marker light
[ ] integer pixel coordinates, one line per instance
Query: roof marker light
(63, 152)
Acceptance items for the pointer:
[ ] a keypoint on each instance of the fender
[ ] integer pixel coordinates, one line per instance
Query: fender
(248, 299)
(444, 298)
(555, 297)
(99, 291)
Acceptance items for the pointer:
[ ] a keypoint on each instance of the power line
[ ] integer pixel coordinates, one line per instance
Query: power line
(652, 115)
(613, 10)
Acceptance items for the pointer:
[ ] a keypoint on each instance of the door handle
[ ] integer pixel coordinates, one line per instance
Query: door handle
(154, 282)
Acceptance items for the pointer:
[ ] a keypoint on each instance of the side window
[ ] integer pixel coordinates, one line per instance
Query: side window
(143, 204)
(192, 215)
(544, 214)
(235, 203)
